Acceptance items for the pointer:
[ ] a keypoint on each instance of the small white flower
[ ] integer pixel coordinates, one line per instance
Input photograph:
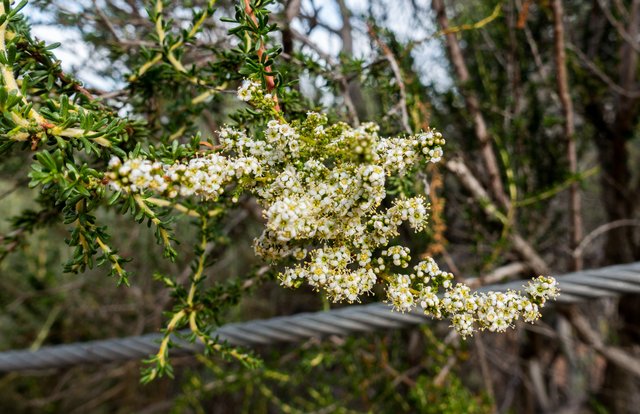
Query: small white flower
(322, 188)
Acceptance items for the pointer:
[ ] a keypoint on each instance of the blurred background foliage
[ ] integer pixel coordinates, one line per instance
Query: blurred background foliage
(407, 65)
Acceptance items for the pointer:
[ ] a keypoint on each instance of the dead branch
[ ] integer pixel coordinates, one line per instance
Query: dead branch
(538, 382)
(614, 355)
(594, 69)
(600, 230)
(520, 245)
(473, 105)
(331, 61)
(484, 368)
(438, 381)
(397, 73)
(626, 35)
(497, 274)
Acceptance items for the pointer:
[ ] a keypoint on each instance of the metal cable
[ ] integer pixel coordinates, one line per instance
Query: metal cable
(575, 287)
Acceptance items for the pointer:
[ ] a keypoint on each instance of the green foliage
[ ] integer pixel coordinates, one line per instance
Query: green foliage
(358, 375)
(71, 134)
(175, 68)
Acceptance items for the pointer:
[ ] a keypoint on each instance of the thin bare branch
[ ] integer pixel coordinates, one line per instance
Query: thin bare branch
(485, 369)
(352, 86)
(345, 31)
(520, 245)
(397, 73)
(331, 61)
(498, 274)
(587, 63)
(438, 381)
(538, 382)
(103, 17)
(471, 183)
(308, 42)
(292, 10)
(600, 230)
(628, 37)
(523, 14)
(621, 9)
(614, 355)
(473, 105)
(533, 46)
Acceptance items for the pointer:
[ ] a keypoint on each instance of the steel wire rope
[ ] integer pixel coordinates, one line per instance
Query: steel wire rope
(575, 287)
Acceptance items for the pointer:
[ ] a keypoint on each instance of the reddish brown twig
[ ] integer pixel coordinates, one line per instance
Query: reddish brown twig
(210, 145)
(269, 80)
(524, 13)
(37, 56)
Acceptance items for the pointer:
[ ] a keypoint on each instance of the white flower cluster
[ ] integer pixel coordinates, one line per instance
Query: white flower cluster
(252, 92)
(468, 311)
(204, 176)
(493, 311)
(321, 187)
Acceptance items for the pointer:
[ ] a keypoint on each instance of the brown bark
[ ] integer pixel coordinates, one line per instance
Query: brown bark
(575, 204)
(614, 112)
(614, 123)
(291, 11)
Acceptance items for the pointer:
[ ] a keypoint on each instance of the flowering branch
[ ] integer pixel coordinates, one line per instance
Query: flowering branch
(269, 80)
(321, 187)
(326, 189)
